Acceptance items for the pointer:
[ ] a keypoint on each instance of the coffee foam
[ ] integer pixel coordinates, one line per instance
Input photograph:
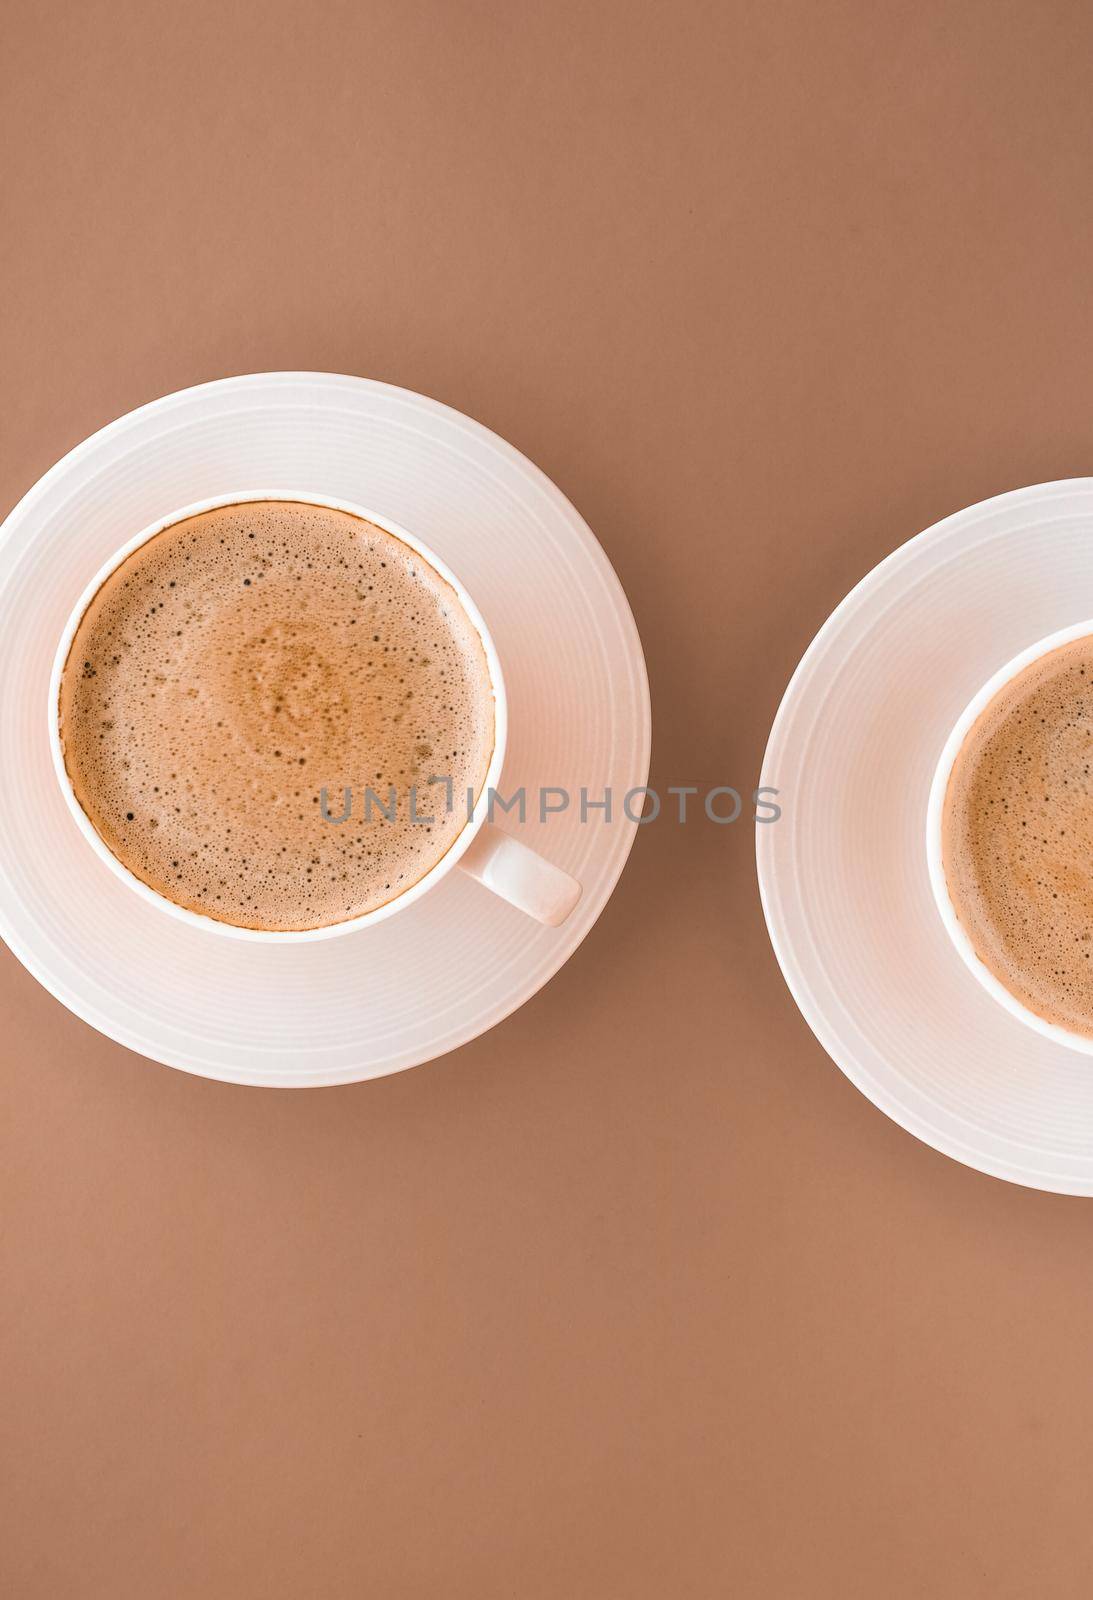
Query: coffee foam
(240, 662)
(1017, 836)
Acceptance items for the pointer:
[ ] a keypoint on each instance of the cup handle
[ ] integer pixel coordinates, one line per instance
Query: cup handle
(521, 876)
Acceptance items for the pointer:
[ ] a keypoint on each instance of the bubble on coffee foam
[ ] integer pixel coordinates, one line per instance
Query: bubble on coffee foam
(246, 659)
(1018, 836)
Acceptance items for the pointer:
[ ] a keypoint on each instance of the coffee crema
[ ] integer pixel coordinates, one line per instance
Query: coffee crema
(1017, 836)
(242, 661)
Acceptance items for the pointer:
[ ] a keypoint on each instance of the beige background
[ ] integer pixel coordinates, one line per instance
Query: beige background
(636, 1296)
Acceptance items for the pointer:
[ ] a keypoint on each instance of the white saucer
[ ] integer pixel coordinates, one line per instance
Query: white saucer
(457, 962)
(843, 873)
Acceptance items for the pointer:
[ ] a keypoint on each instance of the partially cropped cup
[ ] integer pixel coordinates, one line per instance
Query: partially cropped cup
(279, 666)
(1010, 879)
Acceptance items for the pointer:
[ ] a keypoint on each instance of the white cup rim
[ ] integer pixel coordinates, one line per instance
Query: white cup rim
(935, 811)
(456, 849)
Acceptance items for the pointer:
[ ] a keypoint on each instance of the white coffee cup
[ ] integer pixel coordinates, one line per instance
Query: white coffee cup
(494, 858)
(934, 814)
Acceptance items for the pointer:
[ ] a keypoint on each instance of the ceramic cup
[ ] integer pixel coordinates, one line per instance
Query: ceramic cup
(494, 858)
(934, 811)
